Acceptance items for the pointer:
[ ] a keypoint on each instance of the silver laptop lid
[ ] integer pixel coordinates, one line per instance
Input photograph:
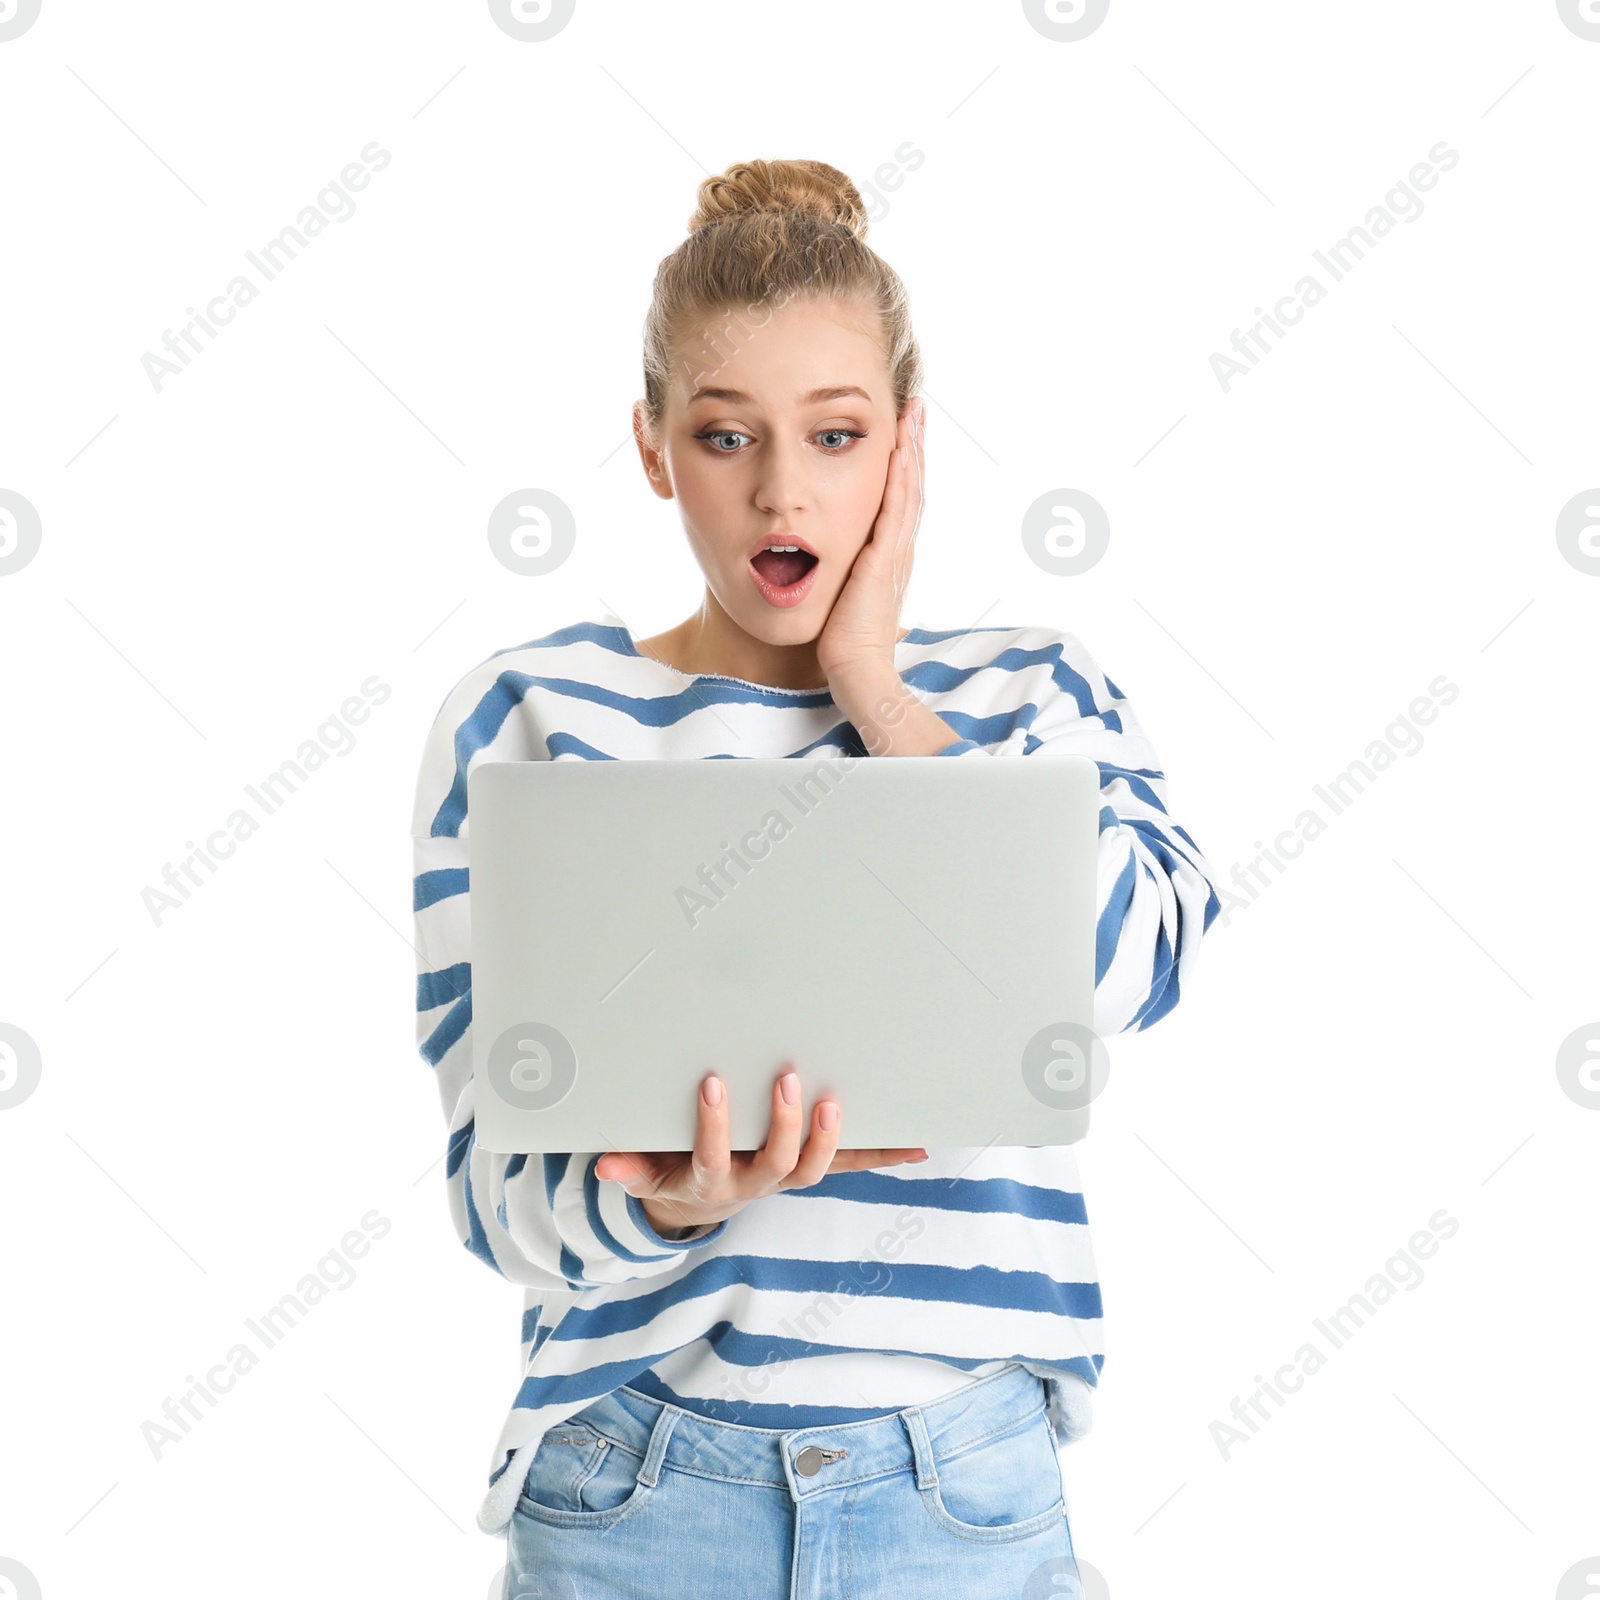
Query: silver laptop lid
(914, 934)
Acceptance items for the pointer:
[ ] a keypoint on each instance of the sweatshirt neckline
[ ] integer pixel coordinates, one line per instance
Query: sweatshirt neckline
(743, 683)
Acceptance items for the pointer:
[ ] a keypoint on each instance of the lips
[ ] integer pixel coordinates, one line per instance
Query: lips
(783, 570)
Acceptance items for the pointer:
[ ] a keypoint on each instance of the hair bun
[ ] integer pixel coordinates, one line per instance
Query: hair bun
(812, 187)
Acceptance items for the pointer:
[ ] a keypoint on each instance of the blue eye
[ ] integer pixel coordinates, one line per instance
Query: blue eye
(845, 434)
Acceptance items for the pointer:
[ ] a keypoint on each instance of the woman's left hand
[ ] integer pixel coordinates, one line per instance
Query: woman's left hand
(864, 625)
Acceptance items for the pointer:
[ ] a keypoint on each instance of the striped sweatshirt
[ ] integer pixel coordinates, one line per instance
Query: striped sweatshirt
(867, 1291)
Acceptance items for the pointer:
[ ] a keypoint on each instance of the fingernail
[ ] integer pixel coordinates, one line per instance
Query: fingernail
(711, 1091)
(789, 1087)
(828, 1116)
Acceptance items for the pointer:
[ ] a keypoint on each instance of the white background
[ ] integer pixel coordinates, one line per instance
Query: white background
(226, 1094)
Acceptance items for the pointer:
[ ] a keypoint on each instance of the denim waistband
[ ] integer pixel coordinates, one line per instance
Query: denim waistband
(668, 1436)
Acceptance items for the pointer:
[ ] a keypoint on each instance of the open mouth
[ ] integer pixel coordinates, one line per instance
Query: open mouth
(783, 573)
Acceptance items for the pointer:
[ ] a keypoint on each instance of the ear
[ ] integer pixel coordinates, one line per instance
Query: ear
(655, 467)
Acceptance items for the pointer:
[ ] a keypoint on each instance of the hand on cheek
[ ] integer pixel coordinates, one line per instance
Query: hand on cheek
(864, 624)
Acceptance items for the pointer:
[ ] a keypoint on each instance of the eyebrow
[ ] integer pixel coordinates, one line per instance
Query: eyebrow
(739, 397)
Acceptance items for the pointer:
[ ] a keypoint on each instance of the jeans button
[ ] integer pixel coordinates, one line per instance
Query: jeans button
(809, 1462)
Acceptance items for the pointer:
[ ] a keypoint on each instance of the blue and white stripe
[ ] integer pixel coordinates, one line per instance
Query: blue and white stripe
(868, 1291)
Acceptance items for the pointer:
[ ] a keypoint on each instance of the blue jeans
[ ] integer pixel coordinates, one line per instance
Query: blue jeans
(959, 1498)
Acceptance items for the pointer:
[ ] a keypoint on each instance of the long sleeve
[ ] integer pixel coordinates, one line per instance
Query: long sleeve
(541, 1220)
(998, 1258)
(1154, 890)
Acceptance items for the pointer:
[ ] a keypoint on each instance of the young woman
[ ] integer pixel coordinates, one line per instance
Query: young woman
(805, 1370)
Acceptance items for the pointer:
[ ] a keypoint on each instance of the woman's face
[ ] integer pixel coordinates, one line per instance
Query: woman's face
(786, 441)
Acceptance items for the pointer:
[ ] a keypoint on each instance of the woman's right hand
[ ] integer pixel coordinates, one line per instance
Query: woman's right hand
(683, 1190)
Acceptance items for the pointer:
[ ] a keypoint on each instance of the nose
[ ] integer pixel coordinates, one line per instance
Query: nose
(780, 488)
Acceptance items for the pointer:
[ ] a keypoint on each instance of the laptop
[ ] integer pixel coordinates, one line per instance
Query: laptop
(915, 935)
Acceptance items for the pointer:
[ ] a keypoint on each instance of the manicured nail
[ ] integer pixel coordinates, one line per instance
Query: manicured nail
(828, 1116)
(711, 1091)
(789, 1087)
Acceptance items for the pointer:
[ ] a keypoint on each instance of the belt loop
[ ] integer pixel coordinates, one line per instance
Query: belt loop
(921, 1449)
(657, 1449)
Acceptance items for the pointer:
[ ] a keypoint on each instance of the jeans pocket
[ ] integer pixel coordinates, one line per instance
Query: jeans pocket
(1007, 1486)
(579, 1477)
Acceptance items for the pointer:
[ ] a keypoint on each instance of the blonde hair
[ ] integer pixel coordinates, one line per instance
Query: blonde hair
(764, 233)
